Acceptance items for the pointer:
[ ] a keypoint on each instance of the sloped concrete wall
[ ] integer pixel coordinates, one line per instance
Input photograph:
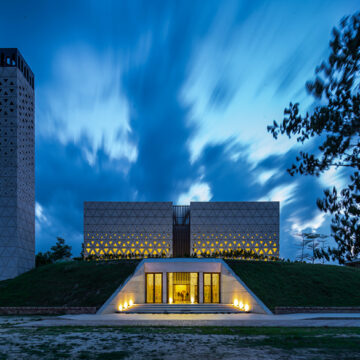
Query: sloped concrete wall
(232, 287)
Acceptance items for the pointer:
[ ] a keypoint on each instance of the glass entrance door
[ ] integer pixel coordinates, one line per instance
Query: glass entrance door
(153, 287)
(183, 288)
(211, 288)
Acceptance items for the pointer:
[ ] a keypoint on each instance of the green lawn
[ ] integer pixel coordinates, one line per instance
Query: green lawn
(66, 284)
(92, 283)
(296, 284)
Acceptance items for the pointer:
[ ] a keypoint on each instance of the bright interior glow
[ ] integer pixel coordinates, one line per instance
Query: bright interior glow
(247, 308)
(236, 302)
(120, 307)
(170, 300)
(192, 300)
(131, 303)
(241, 305)
(125, 305)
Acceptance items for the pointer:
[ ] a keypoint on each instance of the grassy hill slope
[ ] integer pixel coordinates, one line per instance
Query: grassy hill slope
(92, 283)
(66, 284)
(296, 284)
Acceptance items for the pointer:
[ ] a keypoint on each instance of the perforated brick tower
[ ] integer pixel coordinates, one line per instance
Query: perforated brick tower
(17, 165)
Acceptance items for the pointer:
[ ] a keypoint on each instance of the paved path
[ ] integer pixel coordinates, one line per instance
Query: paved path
(257, 320)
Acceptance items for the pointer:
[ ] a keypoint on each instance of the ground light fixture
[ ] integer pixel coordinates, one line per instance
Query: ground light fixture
(241, 305)
(126, 305)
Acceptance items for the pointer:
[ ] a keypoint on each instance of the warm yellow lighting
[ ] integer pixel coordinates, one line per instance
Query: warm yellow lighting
(125, 305)
(247, 308)
(236, 302)
(170, 300)
(131, 303)
(192, 300)
(120, 307)
(241, 305)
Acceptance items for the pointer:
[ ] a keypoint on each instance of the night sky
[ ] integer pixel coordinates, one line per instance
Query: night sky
(169, 101)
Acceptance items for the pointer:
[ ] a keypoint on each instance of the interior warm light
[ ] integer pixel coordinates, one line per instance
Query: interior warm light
(131, 303)
(192, 300)
(236, 302)
(125, 305)
(247, 308)
(120, 307)
(170, 300)
(241, 305)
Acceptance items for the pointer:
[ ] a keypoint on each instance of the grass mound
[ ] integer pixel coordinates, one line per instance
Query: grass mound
(66, 284)
(297, 284)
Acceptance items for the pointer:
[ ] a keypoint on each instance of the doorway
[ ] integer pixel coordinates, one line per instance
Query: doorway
(153, 288)
(183, 288)
(211, 288)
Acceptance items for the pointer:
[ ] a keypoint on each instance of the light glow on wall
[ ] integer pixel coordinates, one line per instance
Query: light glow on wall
(262, 243)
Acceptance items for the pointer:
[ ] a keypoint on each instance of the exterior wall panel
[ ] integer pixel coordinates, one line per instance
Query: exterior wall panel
(216, 227)
(17, 158)
(128, 228)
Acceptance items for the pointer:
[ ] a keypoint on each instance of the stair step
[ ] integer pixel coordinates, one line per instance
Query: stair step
(182, 309)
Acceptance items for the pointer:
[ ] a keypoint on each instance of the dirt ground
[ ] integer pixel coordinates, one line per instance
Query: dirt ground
(17, 342)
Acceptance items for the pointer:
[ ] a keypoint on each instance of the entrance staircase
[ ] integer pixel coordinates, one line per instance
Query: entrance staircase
(182, 309)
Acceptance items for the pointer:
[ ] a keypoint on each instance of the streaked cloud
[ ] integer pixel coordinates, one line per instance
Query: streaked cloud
(139, 100)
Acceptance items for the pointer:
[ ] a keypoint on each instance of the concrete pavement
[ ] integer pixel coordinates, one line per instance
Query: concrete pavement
(257, 320)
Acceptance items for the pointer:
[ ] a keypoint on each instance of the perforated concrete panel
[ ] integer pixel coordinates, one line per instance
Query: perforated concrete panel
(220, 226)
(123, 228)
(17, 176)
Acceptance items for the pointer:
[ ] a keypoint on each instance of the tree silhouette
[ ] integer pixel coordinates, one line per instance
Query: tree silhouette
(335, 123)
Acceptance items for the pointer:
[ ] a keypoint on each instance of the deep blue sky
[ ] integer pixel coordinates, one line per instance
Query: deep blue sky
(169, 100)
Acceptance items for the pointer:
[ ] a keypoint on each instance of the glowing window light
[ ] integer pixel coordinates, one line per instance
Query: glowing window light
(192, 300)
(120, 307)
(125, 305)
(247, 307)
(236, 302)
(241, 305)
(170, 300)
(131, 303)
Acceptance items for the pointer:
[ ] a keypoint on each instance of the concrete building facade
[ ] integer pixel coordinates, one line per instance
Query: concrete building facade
(228, 294)
(17, 164)
(160, 229)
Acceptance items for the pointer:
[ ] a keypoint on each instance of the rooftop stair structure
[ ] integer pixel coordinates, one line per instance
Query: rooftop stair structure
(182, 309)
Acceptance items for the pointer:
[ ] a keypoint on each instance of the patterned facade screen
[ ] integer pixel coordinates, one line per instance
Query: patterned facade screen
(218, 227)
(124, 229)
(147, 229)
(17, 169)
